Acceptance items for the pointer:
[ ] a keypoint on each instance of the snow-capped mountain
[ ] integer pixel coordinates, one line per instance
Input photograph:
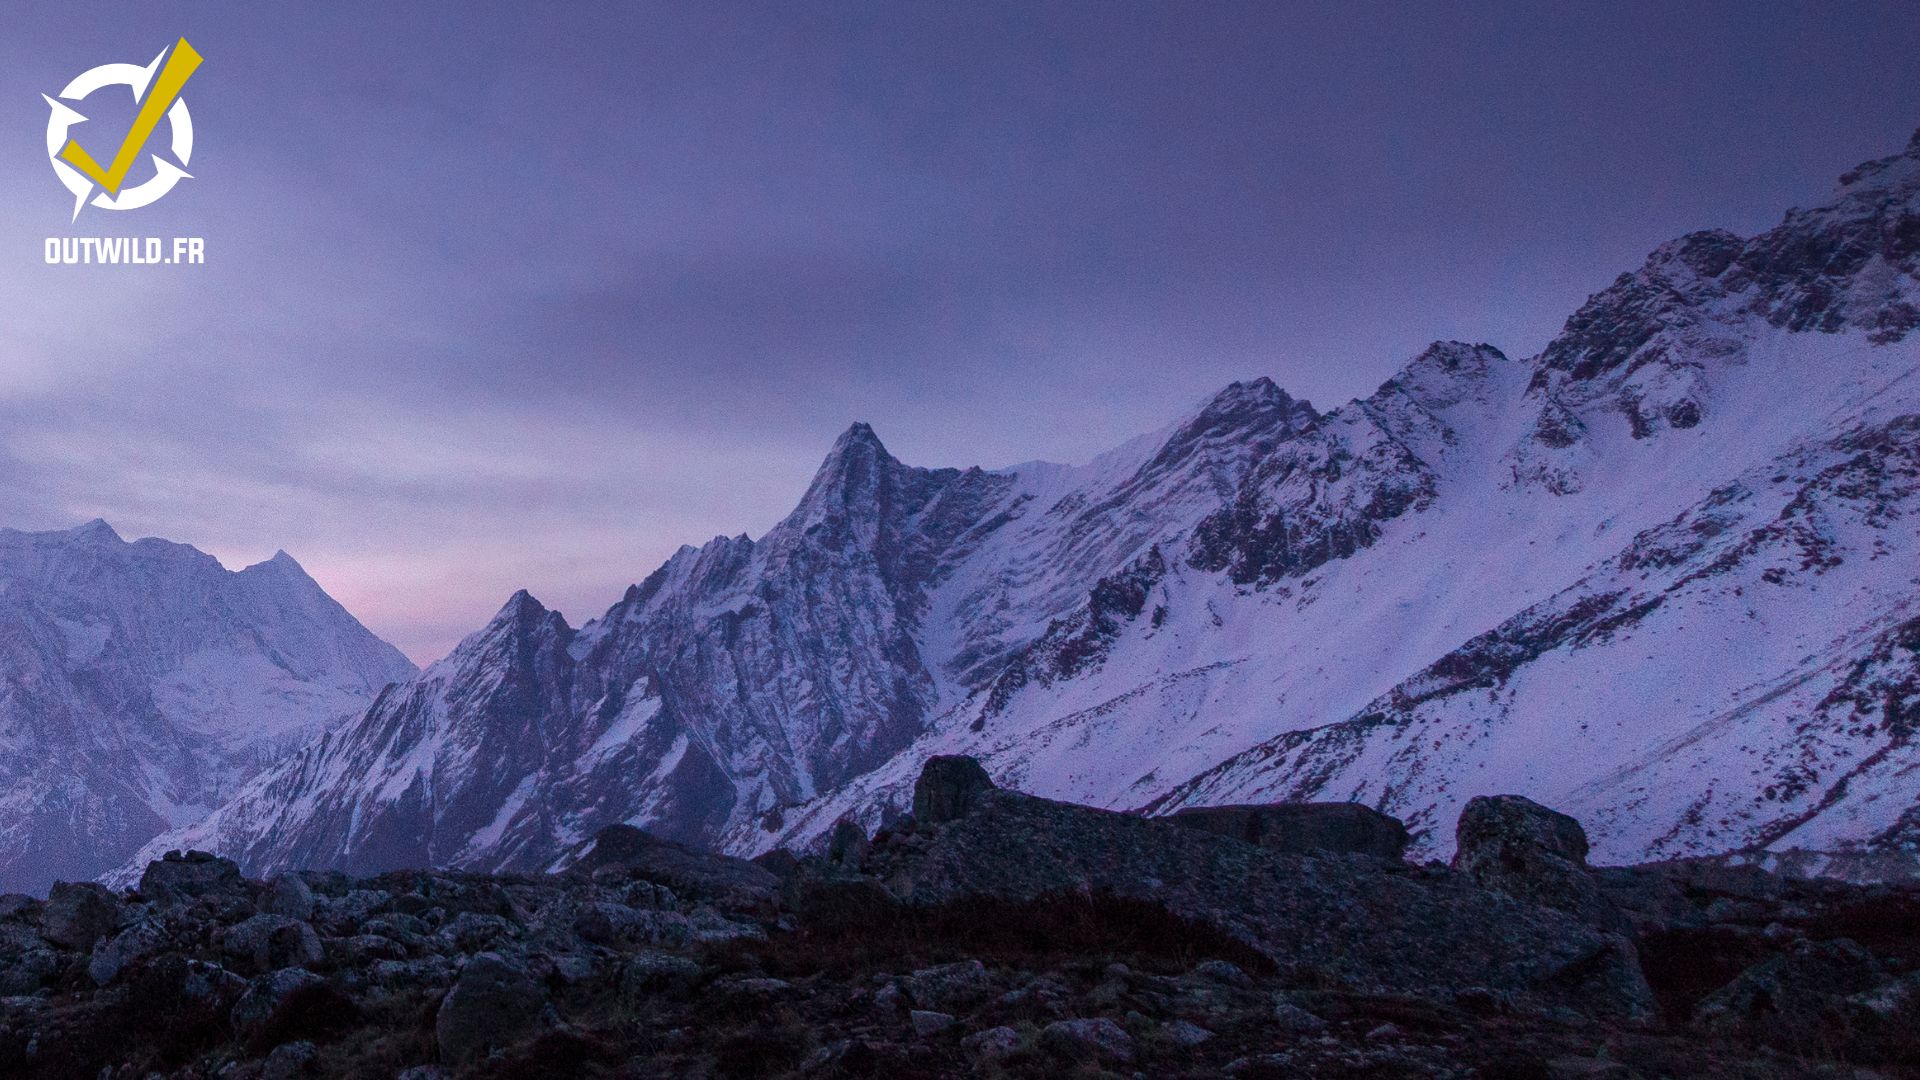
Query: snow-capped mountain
(1662, 576)
(145, 683)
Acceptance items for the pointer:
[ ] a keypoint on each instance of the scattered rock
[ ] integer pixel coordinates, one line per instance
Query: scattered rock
(949, 987)
(266, 994)
(926, 1022)
(993, 1044)
(654, 972)
(267, 942)
(1304, 828)
(289, 1060)
(1224, 972)
(112, 955)
(1095, 1039)
(187, 991)
(288, 895)
(1571, 1067)
(1182, 1033)
(1112, 943)
(1294, 1020)
(471, 931)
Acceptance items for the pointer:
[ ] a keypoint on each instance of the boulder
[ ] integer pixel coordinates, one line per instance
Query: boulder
(688, 872)
(927, 1023)
(1518, 847)
(79, 913)
(950, 786)
(1375, 927)
(112, 955)
(494, 1004)
(471, 931)
(266, 942)
(188, 991)
(26, 971)
(289, 1060)
(949, 987)
(1304, 828)
(266, 995)
(992, 1045)
(288, 895)
(182, 877)
(847, 845)
(1096, 1039)
(651, 972)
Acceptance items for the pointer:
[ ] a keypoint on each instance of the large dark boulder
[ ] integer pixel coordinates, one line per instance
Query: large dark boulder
(1304, 828)
(183, 877)
(494, 1004)
(847, 845)
(79, 913)
(1514, 845)
(950, 786)
(1369, 925)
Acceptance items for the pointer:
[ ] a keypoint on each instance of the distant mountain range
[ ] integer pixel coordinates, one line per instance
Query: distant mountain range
(1664, 576)
(142, 684)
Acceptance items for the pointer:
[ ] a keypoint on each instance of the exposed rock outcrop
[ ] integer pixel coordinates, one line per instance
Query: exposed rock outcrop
(1304, 828)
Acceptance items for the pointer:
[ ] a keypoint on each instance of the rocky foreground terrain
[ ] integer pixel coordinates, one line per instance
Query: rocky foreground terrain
(990, 934)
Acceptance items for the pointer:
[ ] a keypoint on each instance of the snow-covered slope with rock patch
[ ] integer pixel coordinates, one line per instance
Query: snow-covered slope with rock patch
(144, 683)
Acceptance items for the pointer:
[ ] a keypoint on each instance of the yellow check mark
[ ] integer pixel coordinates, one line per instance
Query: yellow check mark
(179, 67)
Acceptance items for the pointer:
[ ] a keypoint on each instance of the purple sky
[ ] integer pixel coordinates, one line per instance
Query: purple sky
(529, 295)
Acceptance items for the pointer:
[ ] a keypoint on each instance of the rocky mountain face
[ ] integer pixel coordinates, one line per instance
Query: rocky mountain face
(990, 933)
(1661, 575)
(145, 684)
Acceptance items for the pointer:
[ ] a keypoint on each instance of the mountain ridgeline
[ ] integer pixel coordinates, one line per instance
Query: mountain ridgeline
(1661, 576)
(145, 684)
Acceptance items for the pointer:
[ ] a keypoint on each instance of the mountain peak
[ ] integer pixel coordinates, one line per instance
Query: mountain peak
(520, 606)
(859, 441)
(281, 563)
(97, 531)
(1240, 403)
(855, 463)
